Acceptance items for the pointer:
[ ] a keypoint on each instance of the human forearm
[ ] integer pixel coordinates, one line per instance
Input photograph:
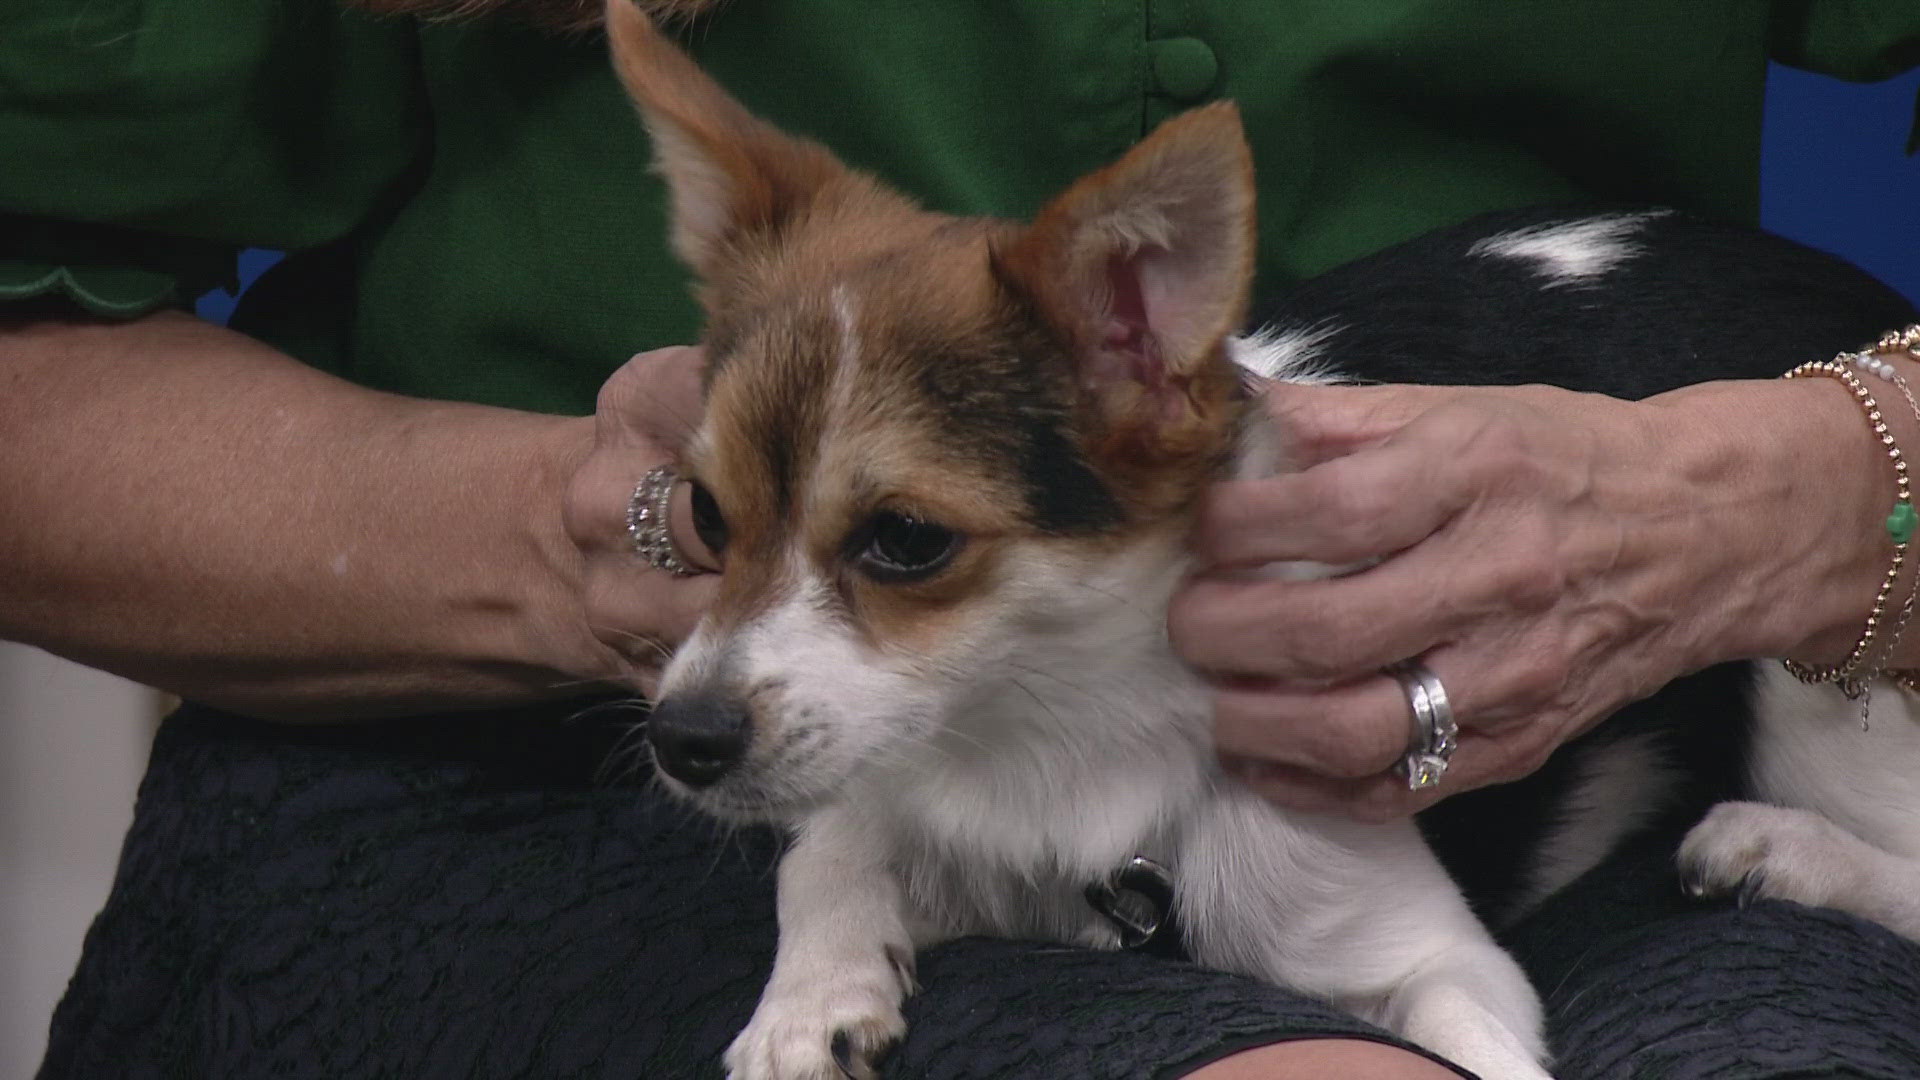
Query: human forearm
(184, 506)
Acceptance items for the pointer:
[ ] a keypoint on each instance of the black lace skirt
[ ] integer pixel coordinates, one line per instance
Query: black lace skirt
(459, 898)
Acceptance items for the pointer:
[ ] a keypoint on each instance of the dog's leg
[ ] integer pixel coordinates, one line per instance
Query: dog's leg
(1852, 841)
(1791, 854)
(843, 966)
(1360, 914)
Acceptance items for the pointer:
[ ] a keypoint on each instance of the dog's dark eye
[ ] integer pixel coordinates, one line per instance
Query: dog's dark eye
(901, 548)
(708, 525)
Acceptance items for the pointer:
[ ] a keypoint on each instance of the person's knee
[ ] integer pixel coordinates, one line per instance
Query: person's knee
(1316, 1059)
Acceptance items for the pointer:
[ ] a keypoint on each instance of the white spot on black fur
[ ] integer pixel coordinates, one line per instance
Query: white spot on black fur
(1571, 252)
(1296, 354)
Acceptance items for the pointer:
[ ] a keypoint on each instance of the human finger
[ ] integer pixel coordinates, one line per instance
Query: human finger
(1344, 732)
(1477, 761)
(643, 613)
(1325, 631)
(1369, 500)
(1365, 505)
(1347, 510)
(1364, 727)
(1321, 422)
(656, 397)
(598, 493)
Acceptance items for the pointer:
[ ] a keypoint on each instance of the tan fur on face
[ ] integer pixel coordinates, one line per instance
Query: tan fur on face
(819, 417)
(866, 355)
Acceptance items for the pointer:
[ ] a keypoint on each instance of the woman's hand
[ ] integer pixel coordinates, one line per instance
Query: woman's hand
(646, 410)
(1549, 555)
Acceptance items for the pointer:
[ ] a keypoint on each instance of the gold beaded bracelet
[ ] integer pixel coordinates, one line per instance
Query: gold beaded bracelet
(1899, 528)
(1853, 674)
(1894, 342)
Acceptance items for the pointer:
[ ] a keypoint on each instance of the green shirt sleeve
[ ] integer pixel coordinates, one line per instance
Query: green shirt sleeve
(145, 141)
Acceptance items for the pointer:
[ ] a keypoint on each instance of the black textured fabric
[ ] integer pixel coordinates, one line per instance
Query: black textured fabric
(456, 898)
(1644, 983)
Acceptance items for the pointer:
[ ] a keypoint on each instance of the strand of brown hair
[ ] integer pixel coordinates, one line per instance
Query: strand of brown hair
(561, 16)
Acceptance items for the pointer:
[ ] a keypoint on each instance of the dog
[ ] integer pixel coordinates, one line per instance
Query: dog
(949, 465)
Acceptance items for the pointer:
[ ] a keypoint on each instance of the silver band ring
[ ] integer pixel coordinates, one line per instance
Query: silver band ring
(1435, 734)
(647, 522)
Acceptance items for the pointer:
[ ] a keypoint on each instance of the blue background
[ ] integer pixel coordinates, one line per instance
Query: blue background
(1834, 174)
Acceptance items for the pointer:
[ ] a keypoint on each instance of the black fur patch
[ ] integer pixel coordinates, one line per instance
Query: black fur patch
(1010, 400)
(1700, 301)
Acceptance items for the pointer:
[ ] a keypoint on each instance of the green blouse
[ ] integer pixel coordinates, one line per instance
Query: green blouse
(470, 214)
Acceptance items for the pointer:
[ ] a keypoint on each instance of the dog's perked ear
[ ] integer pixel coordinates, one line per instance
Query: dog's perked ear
(734, 179)
(1144, 268)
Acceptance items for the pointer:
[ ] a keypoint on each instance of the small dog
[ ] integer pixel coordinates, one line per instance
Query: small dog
(949, 465)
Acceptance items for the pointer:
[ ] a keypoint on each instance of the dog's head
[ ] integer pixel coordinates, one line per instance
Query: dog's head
(938, 452)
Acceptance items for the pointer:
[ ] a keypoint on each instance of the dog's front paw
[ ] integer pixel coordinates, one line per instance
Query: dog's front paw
(1774, 852)
(827, 1028)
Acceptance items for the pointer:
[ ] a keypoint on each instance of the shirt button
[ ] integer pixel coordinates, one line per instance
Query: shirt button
(1184, 68)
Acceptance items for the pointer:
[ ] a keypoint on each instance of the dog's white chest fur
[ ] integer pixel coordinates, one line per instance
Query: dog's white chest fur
(1085, 751)
(1004, 840)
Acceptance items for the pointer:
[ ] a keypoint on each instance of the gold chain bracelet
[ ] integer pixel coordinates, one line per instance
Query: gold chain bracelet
(1854, 674)
(1846, 670)
(1892, 343)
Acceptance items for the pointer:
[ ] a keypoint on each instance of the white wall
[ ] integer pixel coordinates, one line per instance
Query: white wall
(73, 743)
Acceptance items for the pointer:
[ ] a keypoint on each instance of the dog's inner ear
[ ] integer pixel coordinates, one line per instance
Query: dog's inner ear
(1143, 269)
(735, 181)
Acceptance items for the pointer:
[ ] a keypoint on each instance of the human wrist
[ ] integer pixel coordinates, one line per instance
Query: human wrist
(537, 633)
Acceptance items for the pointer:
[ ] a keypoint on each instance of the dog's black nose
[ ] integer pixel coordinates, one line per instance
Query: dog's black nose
(698, 740)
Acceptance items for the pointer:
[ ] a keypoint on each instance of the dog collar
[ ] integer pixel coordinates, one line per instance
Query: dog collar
(1137, 899)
